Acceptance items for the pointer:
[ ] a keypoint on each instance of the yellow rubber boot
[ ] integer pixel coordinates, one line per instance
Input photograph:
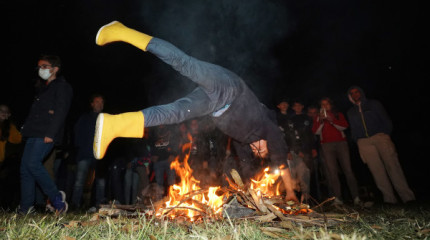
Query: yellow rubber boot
(116, 31)
(109, 127)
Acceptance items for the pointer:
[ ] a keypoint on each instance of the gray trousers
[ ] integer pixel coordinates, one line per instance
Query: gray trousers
(299, 173)
(334, 153)
(217, 87)
(380, 155)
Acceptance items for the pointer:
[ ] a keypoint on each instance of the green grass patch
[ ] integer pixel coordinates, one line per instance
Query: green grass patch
(383, 222)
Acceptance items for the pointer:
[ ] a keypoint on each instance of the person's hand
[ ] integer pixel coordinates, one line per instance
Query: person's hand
(48, 140)
(314, 153)
(301, 154)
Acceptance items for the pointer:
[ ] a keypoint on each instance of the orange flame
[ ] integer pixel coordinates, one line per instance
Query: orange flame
(186, 197)
(266, 183)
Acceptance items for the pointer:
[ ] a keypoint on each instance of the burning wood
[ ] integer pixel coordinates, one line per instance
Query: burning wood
(260, 200)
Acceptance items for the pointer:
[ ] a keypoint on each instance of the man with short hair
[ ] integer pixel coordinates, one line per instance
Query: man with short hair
(371, 128)
(43, 128)
(83, 140)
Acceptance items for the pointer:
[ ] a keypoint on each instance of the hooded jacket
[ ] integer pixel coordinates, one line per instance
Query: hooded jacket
(368, 117)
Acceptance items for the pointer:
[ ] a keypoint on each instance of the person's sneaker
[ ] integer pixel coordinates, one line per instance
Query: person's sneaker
(59, 203)
(357, 201)
(92, 209)
(22, 212)
(337, 202)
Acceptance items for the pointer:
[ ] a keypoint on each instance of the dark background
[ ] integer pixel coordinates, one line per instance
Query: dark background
(306, 49)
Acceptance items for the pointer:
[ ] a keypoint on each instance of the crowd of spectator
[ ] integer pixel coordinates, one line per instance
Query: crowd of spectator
(61, 168)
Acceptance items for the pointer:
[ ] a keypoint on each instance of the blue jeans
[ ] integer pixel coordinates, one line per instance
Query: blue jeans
(131, 182)
(33, 172)
(82, 169)
(161, 167)
(217, 87)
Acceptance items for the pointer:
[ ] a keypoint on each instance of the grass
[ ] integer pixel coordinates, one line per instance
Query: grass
(380, 222)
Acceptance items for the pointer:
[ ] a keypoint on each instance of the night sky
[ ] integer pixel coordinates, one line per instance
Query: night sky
(306, 49)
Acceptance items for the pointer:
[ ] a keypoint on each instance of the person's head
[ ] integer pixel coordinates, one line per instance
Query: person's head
(326, 103)
(49, 66)
(355, 94)
(298, 106)
(97, 103)
(283, 105)
(194, 126)
(312, 111)
(4, 112)
(259, 148)
(183, 127)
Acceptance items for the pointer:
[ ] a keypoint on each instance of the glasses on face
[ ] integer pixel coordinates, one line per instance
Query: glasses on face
(44, 66)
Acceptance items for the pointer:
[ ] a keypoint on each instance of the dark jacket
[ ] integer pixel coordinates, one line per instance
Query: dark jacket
(49, 110)
(247, 121)
(84, 135)
(368, 118)
(299, 135)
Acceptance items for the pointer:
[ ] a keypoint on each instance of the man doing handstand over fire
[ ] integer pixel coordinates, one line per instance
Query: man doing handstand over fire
(220, 93)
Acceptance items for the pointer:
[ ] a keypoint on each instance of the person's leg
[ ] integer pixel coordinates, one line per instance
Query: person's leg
(345, 164)
(28, 184)
(100, 182)
(329, 150)
(159, 172)
(195, 104)
(128, 178)
(134, 186)
(370, 156)
(220, 84)
(32, 170)
(82, 168)
(303, 176)
(143, 180)
(389, 156)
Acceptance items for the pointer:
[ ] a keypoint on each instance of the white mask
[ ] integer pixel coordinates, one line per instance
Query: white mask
(45, 74)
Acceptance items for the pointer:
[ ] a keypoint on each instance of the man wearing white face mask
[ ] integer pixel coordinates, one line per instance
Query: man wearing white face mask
(42, 129)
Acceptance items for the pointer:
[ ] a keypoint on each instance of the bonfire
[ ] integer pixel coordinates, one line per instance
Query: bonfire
(260, 199)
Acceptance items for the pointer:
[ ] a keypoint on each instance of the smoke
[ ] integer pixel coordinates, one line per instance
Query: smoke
(239, 35)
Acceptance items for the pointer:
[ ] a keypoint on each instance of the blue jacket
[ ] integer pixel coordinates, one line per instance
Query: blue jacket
(372, 118)
(49, 110)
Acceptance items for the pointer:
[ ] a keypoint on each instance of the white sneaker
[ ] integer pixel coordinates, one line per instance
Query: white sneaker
(357, 201)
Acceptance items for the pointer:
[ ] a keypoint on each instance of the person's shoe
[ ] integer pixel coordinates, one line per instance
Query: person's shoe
(337, 202)
(49, 207)
(23, 212)
(59, 203)
(92, 209)
(116, 31)
(108, 127)
(357, 201)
